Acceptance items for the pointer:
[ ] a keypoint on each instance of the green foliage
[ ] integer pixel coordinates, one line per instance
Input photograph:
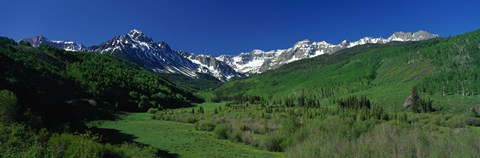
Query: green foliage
(272, 143)
(18, 140)
(124, 83)
(475, 111)
(355, 103)
(68, 145)
(8, 105)
(153, 110)
(221, 131)
(24, 43)
(205, 126)
(61, 91)
(441, 68)
(388, 140)
(420, 105)
(68, 88)
(203, 82)
(200, 110)
(4, 41)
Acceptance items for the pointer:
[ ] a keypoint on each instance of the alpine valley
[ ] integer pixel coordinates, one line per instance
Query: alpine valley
(239, 79)
(409, 95)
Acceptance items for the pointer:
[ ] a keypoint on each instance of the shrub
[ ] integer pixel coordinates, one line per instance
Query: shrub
(192, 119)
(69, 145)
(129, 150)
(153, 110)
(234, 135)
(272, 143)
(475, 111)
(221, 131)
(205, 126)
(200, 110)
(8, 105)
(248, 138)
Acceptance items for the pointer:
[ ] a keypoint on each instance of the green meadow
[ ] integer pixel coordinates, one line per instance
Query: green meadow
(181, 139)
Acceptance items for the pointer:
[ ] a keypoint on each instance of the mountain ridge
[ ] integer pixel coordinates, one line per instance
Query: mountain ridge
(258, 61)
(441, 68)
(159, 57)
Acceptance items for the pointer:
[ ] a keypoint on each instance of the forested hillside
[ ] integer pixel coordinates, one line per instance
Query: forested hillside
(441, 68)
(46, 90)
(49, 80)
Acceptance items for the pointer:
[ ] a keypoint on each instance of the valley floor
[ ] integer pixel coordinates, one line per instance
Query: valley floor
(180, 139)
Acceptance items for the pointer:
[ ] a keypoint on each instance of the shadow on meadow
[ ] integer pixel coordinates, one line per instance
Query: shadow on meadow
(116, 137)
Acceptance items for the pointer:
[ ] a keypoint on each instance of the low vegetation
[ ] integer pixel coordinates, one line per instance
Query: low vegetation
(179, 139)
(354, 128)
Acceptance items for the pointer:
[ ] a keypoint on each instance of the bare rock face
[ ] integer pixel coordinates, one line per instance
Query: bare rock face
(409, 102)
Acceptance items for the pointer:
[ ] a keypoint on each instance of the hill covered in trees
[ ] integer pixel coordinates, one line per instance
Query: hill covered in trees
(444, 68)
(47, 90)
(48, 81)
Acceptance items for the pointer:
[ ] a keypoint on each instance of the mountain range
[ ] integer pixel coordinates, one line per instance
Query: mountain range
(159, 57)
(258, 61)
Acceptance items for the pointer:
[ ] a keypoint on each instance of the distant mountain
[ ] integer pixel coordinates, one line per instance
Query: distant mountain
(154, 56)
(258, 61)
(208, 64)
(66, 45)
(157, 57)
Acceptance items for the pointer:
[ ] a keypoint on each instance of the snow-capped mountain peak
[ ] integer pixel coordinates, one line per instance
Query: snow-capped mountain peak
(158, 57)
(409, 36)
(344, 43)
(138, 35)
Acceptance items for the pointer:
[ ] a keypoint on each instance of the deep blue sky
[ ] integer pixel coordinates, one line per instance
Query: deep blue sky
(232, 26)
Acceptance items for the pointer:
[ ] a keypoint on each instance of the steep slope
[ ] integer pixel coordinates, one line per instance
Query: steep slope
(61, 86)
(208, 64)
(157, 57)
(154, 56)
(440, 68)
(259, 61)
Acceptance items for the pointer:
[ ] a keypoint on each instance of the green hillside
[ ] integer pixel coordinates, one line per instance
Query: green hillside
(203, 81)
(444, 69)
(78, 86)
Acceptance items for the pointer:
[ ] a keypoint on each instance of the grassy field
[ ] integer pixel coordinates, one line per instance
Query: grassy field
(181, 139)
(210, 106)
